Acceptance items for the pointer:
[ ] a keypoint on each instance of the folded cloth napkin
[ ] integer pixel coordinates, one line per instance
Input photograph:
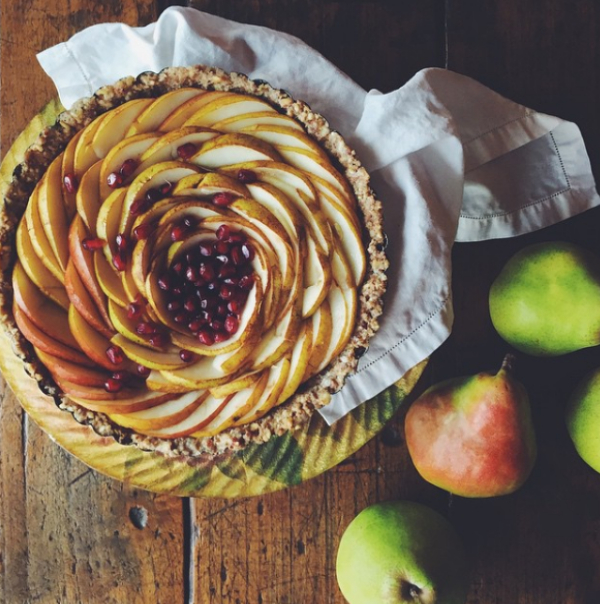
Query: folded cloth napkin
(450, 159)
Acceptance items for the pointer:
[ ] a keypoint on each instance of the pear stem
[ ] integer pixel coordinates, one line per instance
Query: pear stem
(508, 363)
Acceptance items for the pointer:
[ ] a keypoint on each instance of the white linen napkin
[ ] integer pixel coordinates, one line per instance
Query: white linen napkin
(450, 159)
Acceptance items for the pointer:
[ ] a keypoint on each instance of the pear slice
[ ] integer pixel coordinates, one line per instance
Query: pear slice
(44, 342)
(277, 378)
(53, 216)
(68, 168)
(37, 235)
(155, 359)
(298, 359)
(45, 314)
(181, 114)
(126, 326)
(201, 416)
(166, 414)
(73, 372)
(322, 329)
(207, 184)
(286, 137)
(112, 129)
(108, 221)
(84, 155)
(88, 197)
(165, 147)
(204, 373)
(36, 270)
(245, 380)
(132, 148)
(238, 123)
(226, 107)
(317, 278)
(233, 148)
(150, 119)
(98, 399)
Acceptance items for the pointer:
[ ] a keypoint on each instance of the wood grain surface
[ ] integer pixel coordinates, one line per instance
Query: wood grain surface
(71, 536)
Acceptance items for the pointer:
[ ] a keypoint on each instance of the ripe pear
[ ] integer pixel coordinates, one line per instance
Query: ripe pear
(473, 436)
(546, 300)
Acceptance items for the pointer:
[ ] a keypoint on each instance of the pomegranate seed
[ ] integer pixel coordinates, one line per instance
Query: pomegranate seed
(119, 261)
(134, 310)
(196, 324)
(223, 258)
(246, 282)
(186, 151)
(223, 232)
(121, 376)
(232, 324)
(178, 268)
(227, 271)
(234, 306)
(128, 168)
(216, 325)
(237, 255)
(145, 328)
(206, 250)
(143, 231)
(187, 356)
(246, 176)
(206, 336)
(222, 247)
(191, 273)
(173, 305)
(70, 182)
(92, 244)
(222, 309)
(223, 199)
(178, 232)
(207, 316)
(143, 371)
(208, 303)
(181, 318)
(165, 188)
(153, 195)
(160, 340)
(122, 242)
(206, 271)
(248, 252)
(237, 237)
(189, 222)
(221, 336)
(114, 180)
(111, 385)
(190, 304)
(177, 291)
(139, 206)
(164, 282)
(226, 292)
(115, 354)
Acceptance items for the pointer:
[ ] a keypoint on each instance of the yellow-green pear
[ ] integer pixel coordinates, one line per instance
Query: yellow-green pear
(546, 299)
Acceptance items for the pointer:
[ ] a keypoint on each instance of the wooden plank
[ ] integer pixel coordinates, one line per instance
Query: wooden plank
(68, 534)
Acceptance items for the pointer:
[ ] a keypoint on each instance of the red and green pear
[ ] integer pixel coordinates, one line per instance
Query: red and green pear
(473, 436)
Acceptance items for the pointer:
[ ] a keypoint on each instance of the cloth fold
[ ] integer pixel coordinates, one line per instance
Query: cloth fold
(450, 159)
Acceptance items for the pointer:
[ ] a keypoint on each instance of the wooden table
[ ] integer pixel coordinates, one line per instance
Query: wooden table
(68, 535)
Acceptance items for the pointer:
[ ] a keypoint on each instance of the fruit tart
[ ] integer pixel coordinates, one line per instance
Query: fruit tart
(192, 261)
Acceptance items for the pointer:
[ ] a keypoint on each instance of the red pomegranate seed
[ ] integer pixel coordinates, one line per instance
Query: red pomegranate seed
(222, 247)
(246, 176)
(206, 336)
(153, 195)
(234, 306)
(226, 292)
(232, 324)
(208, 303)
(92, 244)
(165, 188)
(119, 261)
(164, 282)
(187, 356)
(176, 291)
(216, 325)
(146, 328)
(181, 318)
(190, 304)
(237, 255)
(178, 232)
(114, 180)
(134, 310)
(223, 258)
(196, 324)
(223, 232)
(223, 199)
(206, 271)
(143, 231)
(160, 340)
(178, 268)
(227, 271)
(113, 386)
(221, 336)
(237, 237)
(246, 282)
(248, 252)
(122, 376)
(139, 206)
(70, 182)
(222, 310)
(122, 242)
(128, 168)
(115, 354)
(191, 273)
(143, 371)
(186, 151)
(206, 250)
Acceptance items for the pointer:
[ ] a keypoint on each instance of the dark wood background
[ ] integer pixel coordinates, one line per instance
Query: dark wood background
(69, 536)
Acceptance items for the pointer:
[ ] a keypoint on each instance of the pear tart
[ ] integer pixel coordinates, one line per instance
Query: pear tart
(192, 261)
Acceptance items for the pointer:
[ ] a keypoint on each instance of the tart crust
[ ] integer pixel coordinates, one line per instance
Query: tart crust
(313, 394)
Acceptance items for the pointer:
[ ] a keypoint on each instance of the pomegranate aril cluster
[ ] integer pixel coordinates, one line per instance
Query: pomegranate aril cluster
(206, 290)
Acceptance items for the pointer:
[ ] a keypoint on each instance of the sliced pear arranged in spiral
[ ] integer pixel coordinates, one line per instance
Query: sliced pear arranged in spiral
(188, 262)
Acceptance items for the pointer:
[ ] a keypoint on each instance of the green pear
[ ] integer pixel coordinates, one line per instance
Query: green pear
(546, 300)
(401, 552)
(583, 419)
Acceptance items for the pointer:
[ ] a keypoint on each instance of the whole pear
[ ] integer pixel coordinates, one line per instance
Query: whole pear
(583, 419)
(401, 552)
(473, 436)
(546, 299)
